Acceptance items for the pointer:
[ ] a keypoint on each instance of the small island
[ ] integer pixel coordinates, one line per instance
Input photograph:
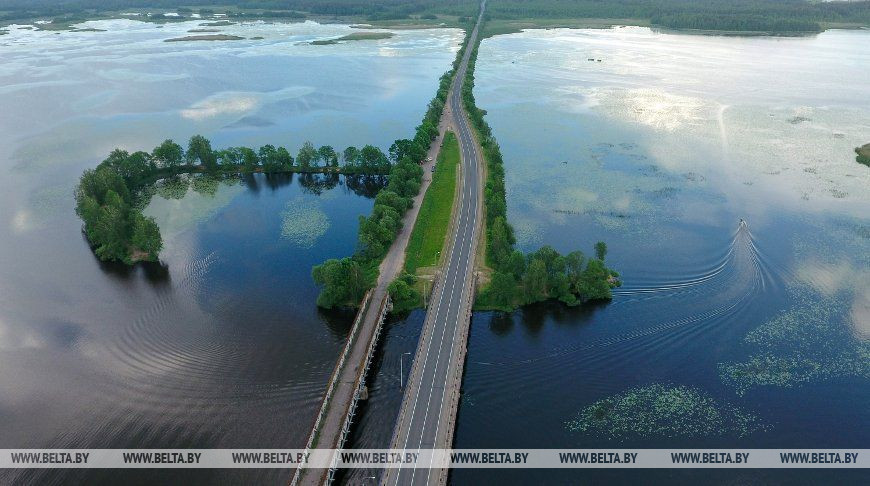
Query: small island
(219, 23)
(863, 154)
(210, 37)
(354, 37)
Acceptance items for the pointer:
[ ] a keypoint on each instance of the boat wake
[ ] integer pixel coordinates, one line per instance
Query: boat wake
(721, 289)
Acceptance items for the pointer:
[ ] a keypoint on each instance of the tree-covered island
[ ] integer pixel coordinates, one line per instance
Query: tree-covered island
(110, 197)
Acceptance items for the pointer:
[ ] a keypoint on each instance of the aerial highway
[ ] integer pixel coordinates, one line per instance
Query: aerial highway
(449, 307)
(427, 416)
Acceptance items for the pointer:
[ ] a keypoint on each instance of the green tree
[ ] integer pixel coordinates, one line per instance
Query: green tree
(168, 154)
(393, 200)
(373, 160)
(328, 155)
(600, 250)
(594, 284)
(250, 161)
(574, 267)
(516, 264)
(268, 156)
(535, 282)
(199, 150)
(500, 245)
(351, 157)
(230, 157)
(400, 149)
(284, 159)
(307, 156)
(146, 236)
(403, 294)
(95, 183)
(109, 232)
(131, 167)
(502, 290)
(863, 156)
(343, 282)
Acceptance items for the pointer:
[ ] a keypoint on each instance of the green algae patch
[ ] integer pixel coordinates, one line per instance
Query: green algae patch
(660, 410)
(356, 36)
(808, 343)
(303, 222)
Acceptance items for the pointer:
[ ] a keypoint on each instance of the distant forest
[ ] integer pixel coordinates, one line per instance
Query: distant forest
(722, 15)
(737, 15)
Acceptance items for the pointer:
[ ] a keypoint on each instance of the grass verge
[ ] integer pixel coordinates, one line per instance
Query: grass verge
(430, 229)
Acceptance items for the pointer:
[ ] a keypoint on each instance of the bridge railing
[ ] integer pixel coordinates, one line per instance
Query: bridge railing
(386, 304)
(333, 382)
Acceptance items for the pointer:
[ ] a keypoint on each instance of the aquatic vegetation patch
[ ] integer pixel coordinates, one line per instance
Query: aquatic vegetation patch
(807, 343)
(303, 222)
(660, 410)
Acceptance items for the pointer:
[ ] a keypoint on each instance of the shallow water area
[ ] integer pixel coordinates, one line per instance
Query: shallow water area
(721, 173)
(221, 344)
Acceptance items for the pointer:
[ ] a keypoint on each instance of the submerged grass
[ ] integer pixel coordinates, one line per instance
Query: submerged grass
(659, 410)
(303, 222)
(430, 229)
(808, 343)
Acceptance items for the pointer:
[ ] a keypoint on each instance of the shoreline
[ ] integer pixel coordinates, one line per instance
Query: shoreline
(493, 28)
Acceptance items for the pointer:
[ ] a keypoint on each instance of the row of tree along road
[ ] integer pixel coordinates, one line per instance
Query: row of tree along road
(344, 281)
(517, 279)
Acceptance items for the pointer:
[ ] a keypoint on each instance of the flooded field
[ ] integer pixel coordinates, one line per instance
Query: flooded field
(721, 173)
(221, 345)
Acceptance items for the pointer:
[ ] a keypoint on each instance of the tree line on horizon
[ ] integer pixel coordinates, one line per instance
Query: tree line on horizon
(724, 15)
(777, 16)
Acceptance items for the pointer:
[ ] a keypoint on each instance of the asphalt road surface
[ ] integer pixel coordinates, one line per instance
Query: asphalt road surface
(428, 412)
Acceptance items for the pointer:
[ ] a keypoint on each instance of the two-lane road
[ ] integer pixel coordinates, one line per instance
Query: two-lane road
(428, 412)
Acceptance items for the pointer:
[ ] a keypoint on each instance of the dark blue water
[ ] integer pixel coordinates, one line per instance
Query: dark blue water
(763, 324)
(375, 419)
(529, 372)
(225, 349)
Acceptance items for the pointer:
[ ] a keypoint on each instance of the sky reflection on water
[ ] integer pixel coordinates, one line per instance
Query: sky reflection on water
(660, 149)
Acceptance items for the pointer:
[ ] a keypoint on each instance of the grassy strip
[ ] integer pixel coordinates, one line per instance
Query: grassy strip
(430, 229)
